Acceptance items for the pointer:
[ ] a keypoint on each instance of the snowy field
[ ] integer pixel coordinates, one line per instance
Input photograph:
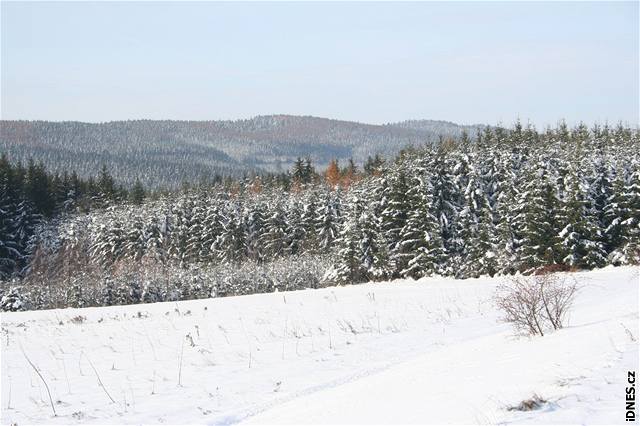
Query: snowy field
(429, 351)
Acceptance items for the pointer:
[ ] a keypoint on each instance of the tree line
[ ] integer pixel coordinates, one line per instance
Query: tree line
(500, 202)
(31, 197)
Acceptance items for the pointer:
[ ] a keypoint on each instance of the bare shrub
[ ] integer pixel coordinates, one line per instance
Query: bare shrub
(558, 293)
(534, 403)
(534, 304)
(78, 319)
(521, 304)
(68, 278)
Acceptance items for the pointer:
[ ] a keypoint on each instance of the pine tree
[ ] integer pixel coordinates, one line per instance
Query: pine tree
(137, 193)
(446, 209)
(394, 211)
(110, 238)
(106, 187)
(299, 171)
(373, 250)
(615, 213)
(580, 236)
(631, 248)
(212, 228)
(230, 245)
(181, 224)
(328, 222)
(349, 266)
(373, 165)
(155, 235)
(9, 245)
(38, 191)
(309, 171)
(420, 241)
(296, 232)
(255, 233)
(135, 245)
(25, 222)
(487, 245)
(540, 205)
(475, 206)
(196, 249)
(308, 222)
(276, 233)
(600, 194)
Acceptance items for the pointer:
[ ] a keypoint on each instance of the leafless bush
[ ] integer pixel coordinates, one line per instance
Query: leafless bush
(537, 303)
(78, 319)
(558, 293)
(521, 304)
(534, 403)
(69, 278)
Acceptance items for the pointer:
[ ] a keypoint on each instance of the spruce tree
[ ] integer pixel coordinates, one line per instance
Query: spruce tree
(420, 242)
(255, 232)
(137, 193)
(580, 236)
(328, 221)
(349, 267)
(631, 248)
(276, 233)
(446, 209)
(540, 206)
(394, 211)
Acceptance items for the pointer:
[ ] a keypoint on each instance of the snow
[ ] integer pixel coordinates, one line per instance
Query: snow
(427, 351)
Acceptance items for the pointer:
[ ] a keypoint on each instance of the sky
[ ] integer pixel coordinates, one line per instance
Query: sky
(479, 62)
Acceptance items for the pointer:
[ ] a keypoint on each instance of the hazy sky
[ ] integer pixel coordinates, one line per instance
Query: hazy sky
(483, 62)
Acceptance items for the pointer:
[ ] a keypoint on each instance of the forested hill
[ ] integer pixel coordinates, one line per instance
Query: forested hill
(166, 153)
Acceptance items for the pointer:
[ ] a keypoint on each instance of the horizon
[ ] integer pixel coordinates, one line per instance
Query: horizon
(510, 125)
(370, 63)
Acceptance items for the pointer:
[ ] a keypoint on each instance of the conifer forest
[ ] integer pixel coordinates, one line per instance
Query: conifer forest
(498, 202)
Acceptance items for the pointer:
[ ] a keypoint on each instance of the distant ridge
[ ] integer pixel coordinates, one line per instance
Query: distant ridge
(443, 126)
(165, 153)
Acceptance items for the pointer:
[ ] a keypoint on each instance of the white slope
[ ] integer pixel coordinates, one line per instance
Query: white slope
(430, 351)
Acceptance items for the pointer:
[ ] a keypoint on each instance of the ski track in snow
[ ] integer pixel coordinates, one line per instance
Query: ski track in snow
(430, 351)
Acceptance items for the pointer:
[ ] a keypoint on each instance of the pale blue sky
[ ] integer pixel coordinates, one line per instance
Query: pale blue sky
(483, 62)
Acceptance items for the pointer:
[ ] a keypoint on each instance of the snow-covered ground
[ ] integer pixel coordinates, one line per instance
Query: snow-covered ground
(430, 351)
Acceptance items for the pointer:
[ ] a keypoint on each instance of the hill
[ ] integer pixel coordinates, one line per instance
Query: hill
(166, 153)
